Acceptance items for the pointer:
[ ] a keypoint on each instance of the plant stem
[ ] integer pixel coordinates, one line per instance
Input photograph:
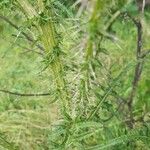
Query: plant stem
(28, 37)
(138, 71)
(51, 44)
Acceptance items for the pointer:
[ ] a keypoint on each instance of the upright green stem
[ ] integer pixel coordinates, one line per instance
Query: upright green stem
(51, 44)
(89, 52)
(92, 31)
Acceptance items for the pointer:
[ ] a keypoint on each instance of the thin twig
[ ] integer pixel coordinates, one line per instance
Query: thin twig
(29, 50)
(145, 53)
(112, 20)
(25, 95)
(30, 39)
(100, 103)
(138, 70)
(25, 48)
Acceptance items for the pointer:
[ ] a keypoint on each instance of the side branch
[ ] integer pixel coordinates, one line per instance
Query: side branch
(145, 53)
(25, 95)
(30, 39)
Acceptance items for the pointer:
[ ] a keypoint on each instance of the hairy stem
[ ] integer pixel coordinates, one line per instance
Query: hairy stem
(51, 44)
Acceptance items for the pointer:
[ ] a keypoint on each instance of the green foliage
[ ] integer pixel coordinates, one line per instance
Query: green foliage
(86, 63)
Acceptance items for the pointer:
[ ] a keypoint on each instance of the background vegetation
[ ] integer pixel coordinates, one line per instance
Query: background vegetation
(74, 75)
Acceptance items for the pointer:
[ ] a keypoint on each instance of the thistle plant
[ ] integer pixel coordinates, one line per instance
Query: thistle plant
(45, 23)
(86, 48)
(53, 56)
